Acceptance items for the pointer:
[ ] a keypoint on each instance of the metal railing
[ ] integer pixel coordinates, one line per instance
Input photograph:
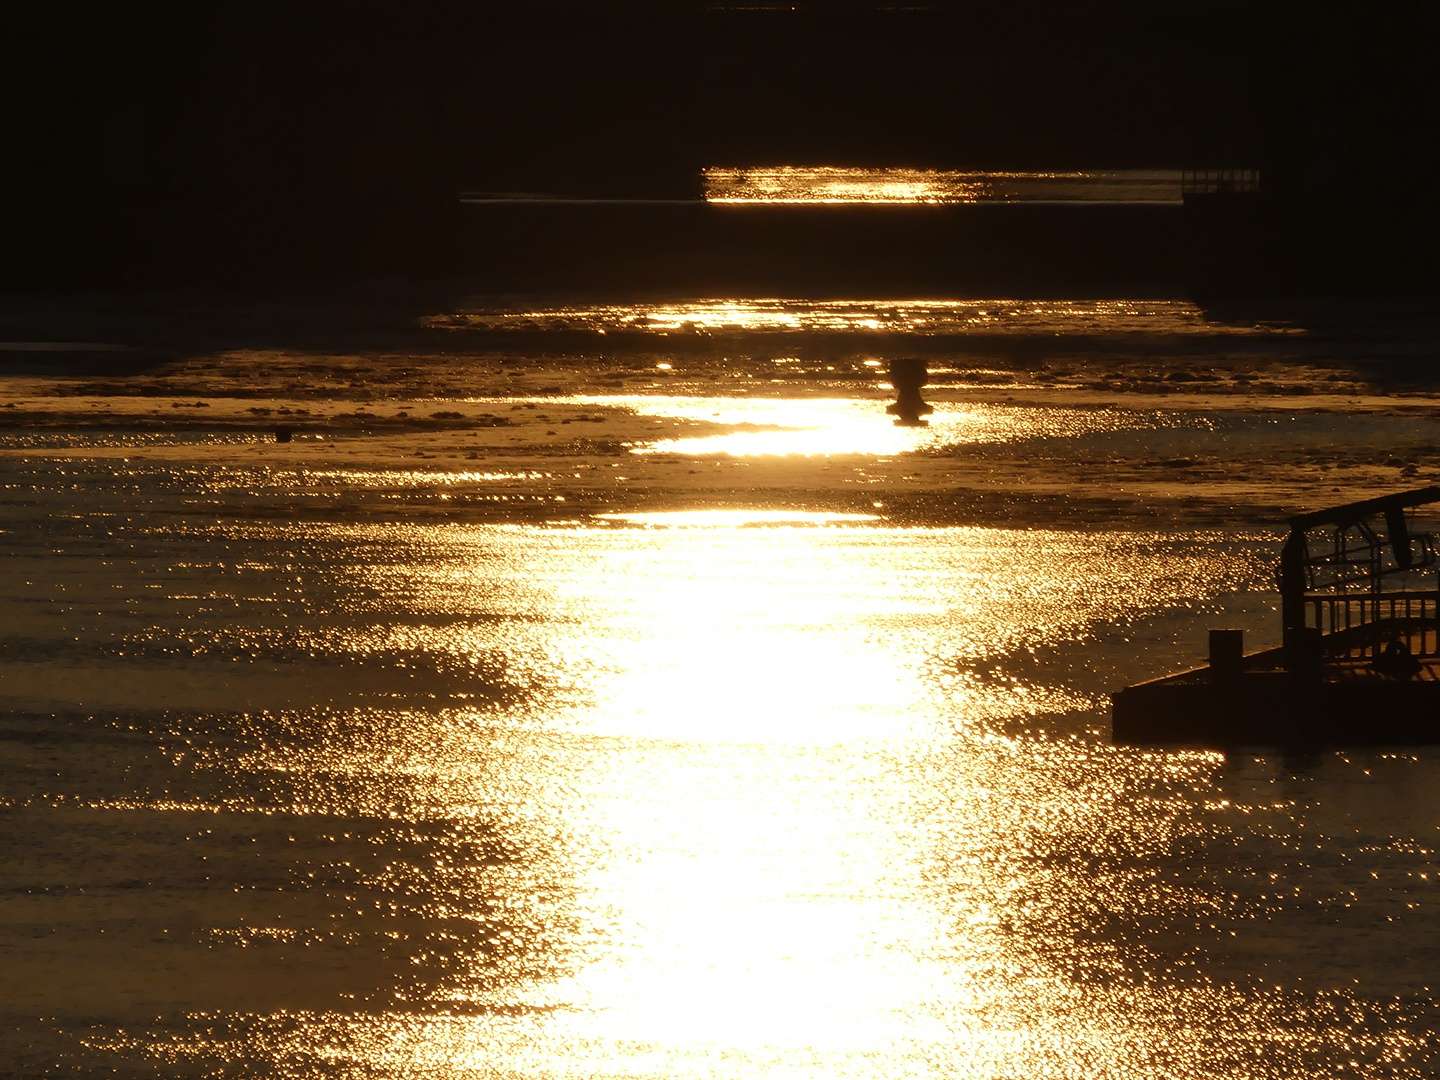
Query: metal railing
(1363, 624)
(1219, 181)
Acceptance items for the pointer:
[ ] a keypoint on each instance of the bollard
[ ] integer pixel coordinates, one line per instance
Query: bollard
(1227, 655)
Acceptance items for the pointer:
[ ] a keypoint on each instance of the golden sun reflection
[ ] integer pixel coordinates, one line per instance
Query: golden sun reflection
(920, 316)
(709, 519)
(786, 634)
(729, 794)
(827, 184)
(811, 426)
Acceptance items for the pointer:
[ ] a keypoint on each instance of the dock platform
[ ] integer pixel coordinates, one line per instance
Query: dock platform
(1360, 663)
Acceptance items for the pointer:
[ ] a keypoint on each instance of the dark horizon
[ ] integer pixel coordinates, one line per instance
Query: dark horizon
(259, 143)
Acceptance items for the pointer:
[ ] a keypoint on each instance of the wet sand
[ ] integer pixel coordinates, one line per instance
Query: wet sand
(532, 414)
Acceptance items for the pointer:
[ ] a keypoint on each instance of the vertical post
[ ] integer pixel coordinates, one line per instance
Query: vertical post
(1292, 585)
(1301, 644)
(1227, 655)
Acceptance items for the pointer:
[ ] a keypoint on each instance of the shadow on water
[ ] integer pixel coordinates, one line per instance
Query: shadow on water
(231, 791)
(128, 335)
(75, 359)
(158, 869)
(132, 332)
(1278, 913)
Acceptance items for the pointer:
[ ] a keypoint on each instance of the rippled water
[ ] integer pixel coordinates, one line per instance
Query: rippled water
(760, 426)
(1028, 318)
(777, 795)
(793, 184)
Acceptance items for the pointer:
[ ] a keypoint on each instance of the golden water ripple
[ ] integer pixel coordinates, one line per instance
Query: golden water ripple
(789, 184)
(684, 797)
(819, 426)
(916, 316)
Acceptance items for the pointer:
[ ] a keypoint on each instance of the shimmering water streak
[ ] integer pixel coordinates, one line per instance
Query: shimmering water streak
(718, 631)
(819, 185)
(777, 802)
(427, 800)
(709, 519)
(64, 440)
(810, 426)
(919, 316)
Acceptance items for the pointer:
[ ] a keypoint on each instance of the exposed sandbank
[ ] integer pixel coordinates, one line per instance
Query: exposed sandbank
(397, 413)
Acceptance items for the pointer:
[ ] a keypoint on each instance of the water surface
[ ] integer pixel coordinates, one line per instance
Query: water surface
(825, 185)
(680, 795)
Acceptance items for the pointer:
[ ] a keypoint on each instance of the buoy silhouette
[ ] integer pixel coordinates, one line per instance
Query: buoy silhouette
(908, 374)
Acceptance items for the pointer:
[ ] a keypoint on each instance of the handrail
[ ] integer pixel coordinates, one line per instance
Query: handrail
(1363, 624)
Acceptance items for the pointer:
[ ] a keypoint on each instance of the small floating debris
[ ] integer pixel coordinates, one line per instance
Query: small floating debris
(1360, 659)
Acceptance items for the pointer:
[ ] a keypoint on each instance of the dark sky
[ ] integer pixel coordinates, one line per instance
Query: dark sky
(286, 114)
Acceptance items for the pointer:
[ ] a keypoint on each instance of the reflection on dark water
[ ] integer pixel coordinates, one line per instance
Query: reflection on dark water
(791, 184)
(159, 872)
(261, 906)
(804, 797)
(1255, 916)
(915, 318)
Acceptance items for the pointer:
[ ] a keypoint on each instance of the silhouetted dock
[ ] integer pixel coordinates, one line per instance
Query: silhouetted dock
(1360, 662)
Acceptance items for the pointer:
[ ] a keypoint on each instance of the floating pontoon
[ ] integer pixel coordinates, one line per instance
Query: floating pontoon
(1360, 659)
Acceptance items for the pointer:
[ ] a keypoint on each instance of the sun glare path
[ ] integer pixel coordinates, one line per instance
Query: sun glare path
(719, 519)
(917, 316)
(818, 426)
(821, 185)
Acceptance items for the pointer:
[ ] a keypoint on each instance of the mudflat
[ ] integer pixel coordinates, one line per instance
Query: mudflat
(1048, 413)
